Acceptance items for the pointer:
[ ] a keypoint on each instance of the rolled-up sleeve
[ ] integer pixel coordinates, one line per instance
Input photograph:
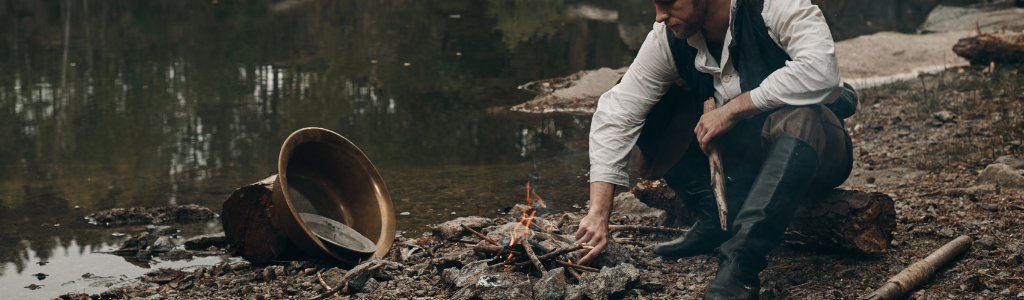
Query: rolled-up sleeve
(812, 76)
(621, 111)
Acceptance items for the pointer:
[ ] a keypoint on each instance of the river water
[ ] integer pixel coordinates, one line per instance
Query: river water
(107, 104)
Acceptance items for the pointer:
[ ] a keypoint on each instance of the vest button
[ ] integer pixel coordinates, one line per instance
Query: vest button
(726, 78)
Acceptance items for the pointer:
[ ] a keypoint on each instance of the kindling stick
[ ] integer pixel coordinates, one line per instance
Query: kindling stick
(717, 175)
(920, 270)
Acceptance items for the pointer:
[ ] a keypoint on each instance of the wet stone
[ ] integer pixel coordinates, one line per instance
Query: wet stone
(139, 241)
(176, 254)
(162, 243)
(160, 230)
(207, 240)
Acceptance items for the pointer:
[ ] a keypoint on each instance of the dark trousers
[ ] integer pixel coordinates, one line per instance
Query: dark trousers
(743, 148)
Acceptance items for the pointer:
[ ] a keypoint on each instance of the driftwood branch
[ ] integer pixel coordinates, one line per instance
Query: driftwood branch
(920, 270)
(343, 283)
(717, 173)
(986, 48)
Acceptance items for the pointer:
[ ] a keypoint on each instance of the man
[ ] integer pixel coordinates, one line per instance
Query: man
(771, 68)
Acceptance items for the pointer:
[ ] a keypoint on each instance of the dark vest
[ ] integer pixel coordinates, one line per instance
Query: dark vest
(755, 56)
(668, 128)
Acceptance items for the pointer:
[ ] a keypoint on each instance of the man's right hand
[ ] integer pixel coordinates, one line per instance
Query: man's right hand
(594, 227)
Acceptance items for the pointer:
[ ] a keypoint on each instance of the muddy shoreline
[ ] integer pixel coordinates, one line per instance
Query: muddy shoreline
(947, 148)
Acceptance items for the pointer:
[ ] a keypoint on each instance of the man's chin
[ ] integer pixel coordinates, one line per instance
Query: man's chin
(682, 35)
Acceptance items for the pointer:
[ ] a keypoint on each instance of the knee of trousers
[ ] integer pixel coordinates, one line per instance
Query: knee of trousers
(807, 123)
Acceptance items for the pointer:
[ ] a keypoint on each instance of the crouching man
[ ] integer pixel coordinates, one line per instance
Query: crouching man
(770, 66)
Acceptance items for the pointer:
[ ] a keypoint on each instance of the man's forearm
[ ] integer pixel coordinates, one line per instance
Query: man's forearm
(601, 199)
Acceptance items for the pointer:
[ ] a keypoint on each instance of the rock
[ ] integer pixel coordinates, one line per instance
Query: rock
(160, 230)
(610, 282)
(206, 241)
(455, 259)
(162, 243)
(992, 207)
(1012, 161)
(977, 190)
(574, 292)
(272, 272)
(613, 255)
(452, 230)
(469, 273)
(370, 286)
(140, 241)
(150, 215)
(490, 283)
(1003, 175)
(523, 290)
(176, 254)
(551, 286)
(944, 116)
(143, 255)
(627, 205)
(450, 276)
(389, 271)
(987, 242)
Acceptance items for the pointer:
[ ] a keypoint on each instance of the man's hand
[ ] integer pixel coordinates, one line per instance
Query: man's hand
(594, 232)
(722, 119)
(594, 227)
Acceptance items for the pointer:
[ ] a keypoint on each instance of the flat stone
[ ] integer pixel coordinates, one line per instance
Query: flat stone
(491, 284)
(452, 230)
(470, 273)
(551, 286)
(162, 243)
(206, 241)
(1012, 161)
(944, 116)
(1003, 175)
(161, 230)
(627, 205)
(523, 290)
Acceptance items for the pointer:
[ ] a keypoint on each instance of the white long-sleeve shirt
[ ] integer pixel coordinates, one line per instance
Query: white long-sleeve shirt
(811, 77)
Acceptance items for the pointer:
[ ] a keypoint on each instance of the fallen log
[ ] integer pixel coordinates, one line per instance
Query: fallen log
(991, 47)
(250, 227)
(920, 270)
(832, 220)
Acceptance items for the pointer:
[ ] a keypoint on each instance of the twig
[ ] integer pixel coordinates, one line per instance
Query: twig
(479, 234)
(321, 278)
(533, 258)
(556, 253)
(576, 266)
(574, 274)
(646, 228)
(344, 287)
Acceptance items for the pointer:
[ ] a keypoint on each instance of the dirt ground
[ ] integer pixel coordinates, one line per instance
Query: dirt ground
(946, 147)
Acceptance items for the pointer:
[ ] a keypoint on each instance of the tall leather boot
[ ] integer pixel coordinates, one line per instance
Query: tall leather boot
(706, 234)
(785, 176)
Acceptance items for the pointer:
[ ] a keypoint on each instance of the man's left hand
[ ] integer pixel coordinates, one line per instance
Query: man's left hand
(722, 119)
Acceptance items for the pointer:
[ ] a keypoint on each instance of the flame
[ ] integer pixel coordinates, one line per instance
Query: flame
(524, 221)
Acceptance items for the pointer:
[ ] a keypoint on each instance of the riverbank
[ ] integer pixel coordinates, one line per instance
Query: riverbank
(946, 147)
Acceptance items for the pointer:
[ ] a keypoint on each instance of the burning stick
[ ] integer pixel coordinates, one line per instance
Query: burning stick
(576, 266)
(556, 253)
(717, 175)
(489, 240)
(533, 257)
(917, 272)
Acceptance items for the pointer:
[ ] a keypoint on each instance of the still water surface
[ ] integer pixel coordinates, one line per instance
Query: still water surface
(107, 104)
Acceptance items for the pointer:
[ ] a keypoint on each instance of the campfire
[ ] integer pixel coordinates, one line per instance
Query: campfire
(531, 247)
